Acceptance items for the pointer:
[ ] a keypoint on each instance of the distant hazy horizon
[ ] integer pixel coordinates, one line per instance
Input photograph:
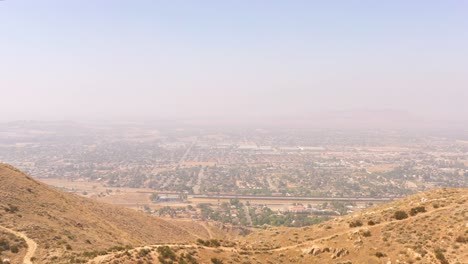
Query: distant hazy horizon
(366, 63)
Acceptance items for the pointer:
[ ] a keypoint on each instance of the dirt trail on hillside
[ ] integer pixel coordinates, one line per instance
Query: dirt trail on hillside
(103, 258)
(350, 230)
(210, 234)
(314, 242)
(32, 246)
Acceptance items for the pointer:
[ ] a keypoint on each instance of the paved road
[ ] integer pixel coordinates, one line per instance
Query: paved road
(270, 183)
(247, 215)
(181, 161)
(293, 198)
(201, 175)
(32, 246)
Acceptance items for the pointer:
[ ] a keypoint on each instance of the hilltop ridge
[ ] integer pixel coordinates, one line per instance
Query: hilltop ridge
(428, 227)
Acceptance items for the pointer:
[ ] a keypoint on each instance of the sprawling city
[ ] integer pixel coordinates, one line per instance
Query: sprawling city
(244, 177)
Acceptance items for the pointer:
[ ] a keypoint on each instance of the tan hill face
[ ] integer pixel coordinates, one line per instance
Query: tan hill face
(434, 230)
(421, 228)
(64, 224)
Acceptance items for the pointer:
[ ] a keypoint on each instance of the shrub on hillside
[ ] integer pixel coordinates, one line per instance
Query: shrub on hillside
(462, 239)
(14, 249)
(216, 261)
(380, 254)
(11, 209)
(366, 233)
(400, 215)
(355, 223)
(214, 243)
(209, 243)
(143, 252)
(439, 254)
(190, 258)
(4, 244)
(416, 210)
(166, 252)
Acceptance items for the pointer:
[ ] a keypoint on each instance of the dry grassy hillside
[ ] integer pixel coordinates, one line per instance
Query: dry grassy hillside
(65, 226)
(430, 227)
(11, 247)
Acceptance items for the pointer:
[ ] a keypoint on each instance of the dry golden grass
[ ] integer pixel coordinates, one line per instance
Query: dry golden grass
(419, 238)
(65, 224)
(9, 243)
(75, 228)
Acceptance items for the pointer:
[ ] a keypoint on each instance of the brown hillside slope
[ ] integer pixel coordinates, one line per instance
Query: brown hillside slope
(434, 231)
(64, 224)
(436, 228)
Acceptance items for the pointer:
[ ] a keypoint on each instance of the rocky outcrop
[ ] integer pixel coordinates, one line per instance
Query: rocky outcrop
(339, 252)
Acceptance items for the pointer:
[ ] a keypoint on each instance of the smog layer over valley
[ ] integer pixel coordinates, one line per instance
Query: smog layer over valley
(233, 132)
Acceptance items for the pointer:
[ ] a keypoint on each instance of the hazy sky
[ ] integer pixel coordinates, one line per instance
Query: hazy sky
(235, 59)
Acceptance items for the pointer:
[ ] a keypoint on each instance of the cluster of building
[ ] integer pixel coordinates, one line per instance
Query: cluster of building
(303, 163)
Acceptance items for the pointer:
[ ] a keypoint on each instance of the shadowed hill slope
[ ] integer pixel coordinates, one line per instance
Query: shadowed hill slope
(64, 224)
